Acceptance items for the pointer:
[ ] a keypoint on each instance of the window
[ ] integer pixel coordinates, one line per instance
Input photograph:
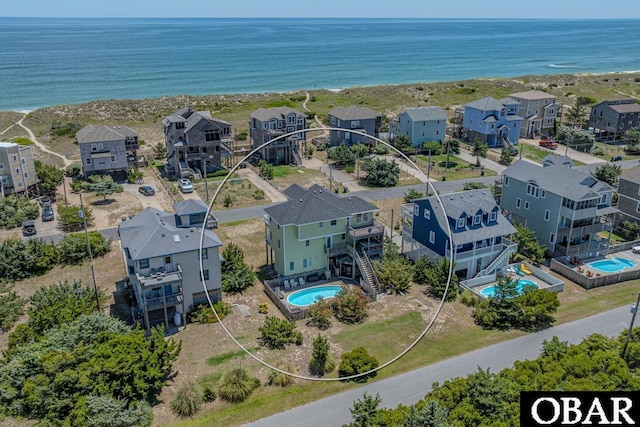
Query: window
(204, 253)
(333, 222)
(24, 162)
(460, 222)
(291, 118)
(432, 237)
(552, 238)
(518, 202)
(306, 243)
(427, 214)
(88, 160)
(307, 262)
(344, 236)
(304, 263)
(355, 124)
(506, 181)
(476, 219)
(205, 274)
(321, 224)
(2, 166)
(533, 190)
(365, 216)
(493, 216)
(15, 158)
(416, 211)
(17, 170)
(291, 266)
(132, 270)
(167, 260)
(547, 214)
(278, 243)
(603, 199)
(113, 159)
(26, 175)
(638, 208)
(143, 263)
(526, 204)
(543, 194)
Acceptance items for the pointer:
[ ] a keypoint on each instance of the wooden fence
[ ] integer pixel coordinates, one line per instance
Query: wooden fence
(595, 281)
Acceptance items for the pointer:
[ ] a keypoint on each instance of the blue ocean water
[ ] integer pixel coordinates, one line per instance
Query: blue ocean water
(47, 62)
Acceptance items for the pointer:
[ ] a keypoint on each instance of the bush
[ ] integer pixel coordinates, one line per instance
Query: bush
(380, 149)
(242, 135)
(67, 129)
(11, 307)
(73, 170)
(20, 259)
(266, 170)
(278, 378)
(321, 360)
(258, 194)
(237, 385)
(72, 249)
(133, 176)
(228, 200)
(208, 395)
(186, 400)
(70, 219)
(356, 362)
(203, 314)
(263, 308)
(14, 210)
(320, 314)
(277, 333)
(468, 298)
(380, 173)
(350, 305)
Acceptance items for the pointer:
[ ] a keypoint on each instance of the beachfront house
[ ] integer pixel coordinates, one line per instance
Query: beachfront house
(493, 121)
(107, 149)
(479, 231)
(360, 119)
(629, 196)
(420, 125)
(17, 170)
(539, 111)
(196, 142)
(269, 123)
(567, 209)
(610, 119)
(162, 256)
(317, 233)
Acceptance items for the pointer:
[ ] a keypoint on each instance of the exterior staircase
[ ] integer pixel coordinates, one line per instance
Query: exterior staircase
(366, 269)
(297, 160)
(508, 144)
(499, 261)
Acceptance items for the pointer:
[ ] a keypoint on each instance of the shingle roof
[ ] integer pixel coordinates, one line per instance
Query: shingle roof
(486, 104)
(626, 108)
(354, 113)
(266, 114)
(532, 95)
(632, 175)
(101, 133)
(423, 114)
(198, 116)
(316, 204)
(558, 179)
(152, 233)
(190, 206)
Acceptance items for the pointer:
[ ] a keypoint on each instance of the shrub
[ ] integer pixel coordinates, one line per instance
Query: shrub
(133, 176)
(70, 219)
(239, 279)
(321, 360)
(278, 378)
(258, 194)
(73, 170)
(228, 200)
(350, 305)
(277, 333)
(14, 210)
(263, 308)
(186, 400)
(320, 314)
(381, 173)
(203, 313)
(67, 129)
(242, 135)
(468, 298)
(72, 249)
(237, 385)
(356, 362)
(380, 149)
(266, 170)
(11, 307)
(208, 395)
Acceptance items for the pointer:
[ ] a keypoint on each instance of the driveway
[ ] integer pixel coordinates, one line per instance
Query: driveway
(269, 190)
(337, 175)
(563, 150)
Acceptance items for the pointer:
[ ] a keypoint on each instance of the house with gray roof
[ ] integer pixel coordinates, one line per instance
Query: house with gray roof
(610, 119)
(107, 149)
(17, 168)
(564, 207)
(539, 111)
(629, 196)
(420, 124)
(479, 238)
(360, 119)
(266, 124)
(196, 142)
(162, 255)
(318, 233)
(494, 121)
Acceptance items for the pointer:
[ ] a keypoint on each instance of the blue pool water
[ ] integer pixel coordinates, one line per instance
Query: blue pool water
(612, 264)
(491, 290)
(307, 297)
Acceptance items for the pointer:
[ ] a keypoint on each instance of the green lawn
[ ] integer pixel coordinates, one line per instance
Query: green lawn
(615, 237)
(611, 150)
(458, 168)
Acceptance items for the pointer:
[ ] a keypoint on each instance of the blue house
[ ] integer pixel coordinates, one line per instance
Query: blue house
(477, 231)
(420, 124)
(494, 121)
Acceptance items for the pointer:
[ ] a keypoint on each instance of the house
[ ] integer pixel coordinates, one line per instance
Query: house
(564, 207)
(192, 213)
(318, 233)
(611, 119)
(495, 122)
(17, 170)
(420, 124)
(359, 119)
(629, 195)
(269, 123)
(107, 149)
(478, 231)
(196, 141)
(539, 110)
(162, 255)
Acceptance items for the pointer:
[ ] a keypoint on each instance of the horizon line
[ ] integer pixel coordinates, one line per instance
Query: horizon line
(329, 17)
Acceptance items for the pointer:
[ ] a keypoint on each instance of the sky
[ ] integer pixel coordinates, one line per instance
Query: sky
(322, 9)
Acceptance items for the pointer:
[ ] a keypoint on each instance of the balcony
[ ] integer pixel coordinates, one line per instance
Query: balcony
(376, 229)
(580, 248)
(166, 300)
(338, 250)
(579, 229)
(160, 278)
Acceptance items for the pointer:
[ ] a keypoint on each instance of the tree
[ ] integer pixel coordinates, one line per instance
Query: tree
(506, 157)
(361, 151)
(473, 186)
(432, 147)
(159, 151)
(451, 145)
(342, 155)
(72, 249)
(321, 360)
(364, 410)
(50, 177)
(320, 314)
(394, 272)
(357, 361)
(380, 173)
(232, 257)
(103, 185)
(106, 411)
(266, 170)
(479, 150)
(608, 173)
(528, 245)
(411, 195)
(403, 144)
(277, 333)
(186, 400)
(14, 210)
(350, 304)
(237, 276)
(576, 114)
(578, 139)
(631, 229)
(11, 307)
(431, 414)
(70, 217)
(237, 385)
(437, 277)
(633, 141)
(422, 270)
(21, 259)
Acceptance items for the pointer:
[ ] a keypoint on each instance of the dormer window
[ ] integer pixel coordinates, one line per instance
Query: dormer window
(460, 222)
(476, 219)
(493, 216)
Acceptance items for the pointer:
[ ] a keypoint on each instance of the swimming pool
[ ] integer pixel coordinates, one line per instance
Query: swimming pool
(308, 296)
(522, 283)
(612, 265)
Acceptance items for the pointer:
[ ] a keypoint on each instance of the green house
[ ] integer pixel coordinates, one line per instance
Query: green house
(319, 234)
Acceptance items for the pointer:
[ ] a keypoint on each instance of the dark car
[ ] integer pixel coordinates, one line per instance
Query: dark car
(29, 228)
(47, 213)
(147, 190)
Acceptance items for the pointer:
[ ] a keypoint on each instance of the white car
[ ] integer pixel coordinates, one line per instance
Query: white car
(185, 185)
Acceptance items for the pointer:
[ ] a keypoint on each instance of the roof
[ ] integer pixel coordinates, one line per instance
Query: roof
(557, 177)
(487, 104)
(468, 203)
(626, 108)
(101, 133)
(198, 116)
(152, 233)
(632, 175)
(7, 144)
(532, 95)
(423, 114)
(190, 206)
(314, 205)
(279, 113)
(354, 113)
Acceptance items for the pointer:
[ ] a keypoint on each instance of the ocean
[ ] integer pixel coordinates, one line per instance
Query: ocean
(46, 62)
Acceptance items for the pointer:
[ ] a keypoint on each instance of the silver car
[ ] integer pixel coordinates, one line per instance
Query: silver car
(185, 185)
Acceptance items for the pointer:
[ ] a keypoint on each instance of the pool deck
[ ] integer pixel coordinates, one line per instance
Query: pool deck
(543, 279)
(583, 266)
(588, 277)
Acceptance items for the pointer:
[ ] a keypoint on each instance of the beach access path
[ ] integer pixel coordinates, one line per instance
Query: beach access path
(40, 145)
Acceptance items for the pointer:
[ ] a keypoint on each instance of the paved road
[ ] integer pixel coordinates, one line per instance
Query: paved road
(412, 386)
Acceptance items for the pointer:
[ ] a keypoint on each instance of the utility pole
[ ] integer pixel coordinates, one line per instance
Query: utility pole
(330, 177)
(428, 173)
(86, 235)
(64, 187)
(634, 310)
(203, 164)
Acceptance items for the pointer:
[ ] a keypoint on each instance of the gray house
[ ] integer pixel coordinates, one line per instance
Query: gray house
(420, 124)
(193, 213)
(162, 257)
(564, 207)
(359, 119)
(17, 170)
(629, 195)
(539, 110)
(196, 141)
(107, 149)
(269, 123)
(611, 119)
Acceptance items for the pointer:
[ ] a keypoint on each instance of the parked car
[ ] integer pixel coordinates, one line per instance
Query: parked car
(185, 185)
(43, 201)
(547, 143)
(29, 228)
(47, 213)
(147, 190)
(243, 165)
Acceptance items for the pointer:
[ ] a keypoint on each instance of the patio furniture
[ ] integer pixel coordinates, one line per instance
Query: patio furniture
(635, 249)
(286, 284)
(302, 282)
(279, 294)
(294, 283)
